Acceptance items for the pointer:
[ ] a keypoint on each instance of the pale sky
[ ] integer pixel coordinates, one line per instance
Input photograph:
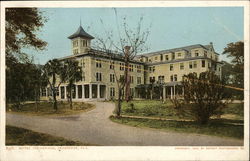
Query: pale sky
(170, 27)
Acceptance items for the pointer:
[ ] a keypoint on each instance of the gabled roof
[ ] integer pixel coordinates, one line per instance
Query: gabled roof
(81, 33)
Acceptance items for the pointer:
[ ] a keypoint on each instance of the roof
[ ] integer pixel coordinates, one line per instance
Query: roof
(81, 33)
(100, 54)
(185, 48)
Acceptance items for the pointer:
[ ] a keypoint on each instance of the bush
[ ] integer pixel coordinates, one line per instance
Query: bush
(131, 108)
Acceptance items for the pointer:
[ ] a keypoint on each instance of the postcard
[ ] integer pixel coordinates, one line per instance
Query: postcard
(124, 80)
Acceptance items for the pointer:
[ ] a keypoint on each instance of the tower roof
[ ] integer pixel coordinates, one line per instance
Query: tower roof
(81, 33)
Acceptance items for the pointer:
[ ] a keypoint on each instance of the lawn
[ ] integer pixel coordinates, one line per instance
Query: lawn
(20, 136)
(46, 108)
(155, 108)
(229, 125)
(215, 127)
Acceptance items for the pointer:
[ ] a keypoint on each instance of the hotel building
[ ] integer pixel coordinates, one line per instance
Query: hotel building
(166, 67)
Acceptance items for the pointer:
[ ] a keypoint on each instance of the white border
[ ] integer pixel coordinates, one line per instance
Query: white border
(123, 152)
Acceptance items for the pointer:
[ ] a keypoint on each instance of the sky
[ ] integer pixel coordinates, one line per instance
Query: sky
(170, 27)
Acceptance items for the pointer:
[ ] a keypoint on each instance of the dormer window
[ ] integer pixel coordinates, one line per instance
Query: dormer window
(205, 53)
(166, 57)
(173, 56)
(196, 52)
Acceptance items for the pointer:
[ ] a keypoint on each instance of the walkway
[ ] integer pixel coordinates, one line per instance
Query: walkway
(94, 127)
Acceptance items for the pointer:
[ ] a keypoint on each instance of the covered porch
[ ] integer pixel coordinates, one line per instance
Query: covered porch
(84, 92)
(168, 90)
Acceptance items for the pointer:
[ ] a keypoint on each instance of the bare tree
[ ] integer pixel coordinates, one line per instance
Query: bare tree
(131, 41)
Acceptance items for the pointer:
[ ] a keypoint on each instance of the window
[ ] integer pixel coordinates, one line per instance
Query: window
(138, 80)
(195, 64)
(83, 43)
(179, 54)
(196, 52)
(111, 66)
(131, 68)
(43, 92)
(112, 92)
(131, 79)
(151, 79)
(171, 67)
(175, 77)
(171, 78)
(203, 64)
(156, 58)
(121, 66)
(181, 66)
(139, 69)
(205, 53)
(161, 79)
(75, 43)
(173, 56)
(151, 69)
(75, 51)
(98, 76)
(98, 64)
(161, 56)
(149, 60)
(166, 57)
(112, 77)
(190, 65)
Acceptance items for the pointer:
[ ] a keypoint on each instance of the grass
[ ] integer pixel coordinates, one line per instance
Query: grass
(149, 108)
(20, 136)
(46, 108)
(215, 127)
(231, 123)
(155, 108)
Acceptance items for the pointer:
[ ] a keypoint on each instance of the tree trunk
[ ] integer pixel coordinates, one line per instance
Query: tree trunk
(55, 101)
(36, 100)
(126, 75)
(119, 103)
(70, 97)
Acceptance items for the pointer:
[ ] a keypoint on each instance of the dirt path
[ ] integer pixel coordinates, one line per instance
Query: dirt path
(95, 127)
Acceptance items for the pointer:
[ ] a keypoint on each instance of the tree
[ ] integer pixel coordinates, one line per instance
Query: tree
(235, 51)
(73, 73)
(130, 42)
(151, 86)
(54, 75)
(203, 96)
(21, 27)
(23, 81)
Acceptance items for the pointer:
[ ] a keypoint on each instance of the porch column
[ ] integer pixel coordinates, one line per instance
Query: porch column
(65, 92)
(171, 96)
(164, 93)
(46, 92)
(59, 89)
(76, 91)
(183, 91)
(174, 91)
(83, 92)
(90, 91)
(106, 92)
(98, 90)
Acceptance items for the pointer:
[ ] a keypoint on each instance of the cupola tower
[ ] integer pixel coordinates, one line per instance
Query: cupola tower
(80, 41)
